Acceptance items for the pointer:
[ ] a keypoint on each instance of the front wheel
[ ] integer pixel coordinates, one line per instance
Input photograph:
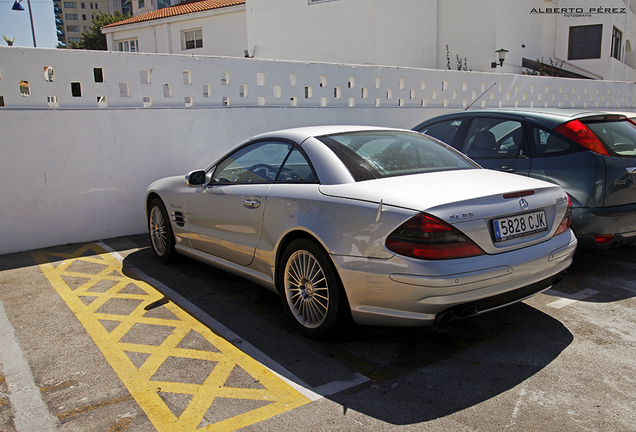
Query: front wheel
(160, 231)
(312, 295)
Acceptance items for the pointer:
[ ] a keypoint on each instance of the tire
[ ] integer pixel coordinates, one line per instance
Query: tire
(160, 231)
(311, 292)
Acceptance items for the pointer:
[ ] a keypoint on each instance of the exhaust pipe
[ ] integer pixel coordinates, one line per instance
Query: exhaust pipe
(468, 311)
(446, 316)
(559, 277)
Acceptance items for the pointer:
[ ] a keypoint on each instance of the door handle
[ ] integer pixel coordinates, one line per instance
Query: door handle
(506, 168)
(252, 203)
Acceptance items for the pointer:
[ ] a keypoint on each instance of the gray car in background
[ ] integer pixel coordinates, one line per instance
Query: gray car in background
(591, 154)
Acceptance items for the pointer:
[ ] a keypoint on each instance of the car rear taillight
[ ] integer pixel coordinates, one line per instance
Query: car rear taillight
(567, 218)
(581, 134)
(426, 237)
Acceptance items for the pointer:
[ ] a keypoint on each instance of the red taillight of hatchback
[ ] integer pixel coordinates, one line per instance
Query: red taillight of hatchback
(426, 237)
(581, 134)
(567, 219)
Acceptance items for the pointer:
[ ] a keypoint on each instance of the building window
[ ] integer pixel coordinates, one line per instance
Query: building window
(83, 5)
(91, 5)
(72, 29)
(84, 17)
(96, 6)
(192, 39)
(617, 42)
(85, 28)
(74, 39)
(140, 3)
(162, 4)
(72, 5)
(585, 42)
(128, 45)
(71, 17)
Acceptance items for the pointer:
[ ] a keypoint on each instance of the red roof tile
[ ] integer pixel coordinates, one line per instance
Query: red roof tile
(180, 9)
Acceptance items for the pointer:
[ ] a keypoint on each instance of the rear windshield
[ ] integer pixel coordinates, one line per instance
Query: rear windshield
(378, 154)
(617, 136)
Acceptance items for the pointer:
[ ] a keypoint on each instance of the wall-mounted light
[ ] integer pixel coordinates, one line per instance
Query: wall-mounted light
(502, 56)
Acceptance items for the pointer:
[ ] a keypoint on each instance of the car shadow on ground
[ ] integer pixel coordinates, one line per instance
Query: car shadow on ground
(600, 276)
(399, 375)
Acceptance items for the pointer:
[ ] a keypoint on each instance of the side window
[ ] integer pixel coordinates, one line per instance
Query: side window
(296, 169)
(444, 131)
(546, 143)
(494, 138)
(256, 163)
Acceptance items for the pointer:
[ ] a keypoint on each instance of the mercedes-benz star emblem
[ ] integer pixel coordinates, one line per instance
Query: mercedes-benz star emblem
(523, 203)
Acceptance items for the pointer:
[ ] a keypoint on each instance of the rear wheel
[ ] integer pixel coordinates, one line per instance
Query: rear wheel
(311, 291)
(160, 231)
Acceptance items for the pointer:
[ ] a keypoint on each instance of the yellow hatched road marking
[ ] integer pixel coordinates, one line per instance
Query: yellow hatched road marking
(102, 285)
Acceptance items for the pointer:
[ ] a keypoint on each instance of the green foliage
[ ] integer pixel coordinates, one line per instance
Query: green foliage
(93, 39)
(9, 41)
(462, 64)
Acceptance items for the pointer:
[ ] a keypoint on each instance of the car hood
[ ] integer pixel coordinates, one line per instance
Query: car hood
(425, 191)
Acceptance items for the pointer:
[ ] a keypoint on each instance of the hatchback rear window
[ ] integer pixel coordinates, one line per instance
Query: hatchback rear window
(616, 136)
(378, 154)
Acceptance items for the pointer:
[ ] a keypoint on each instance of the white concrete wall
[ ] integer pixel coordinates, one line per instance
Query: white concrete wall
(78, 172)
(381, 32)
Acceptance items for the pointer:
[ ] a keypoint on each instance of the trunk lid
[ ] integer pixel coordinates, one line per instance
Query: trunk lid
(470, 200)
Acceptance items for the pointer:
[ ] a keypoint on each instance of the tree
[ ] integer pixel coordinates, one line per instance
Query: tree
(93, 39)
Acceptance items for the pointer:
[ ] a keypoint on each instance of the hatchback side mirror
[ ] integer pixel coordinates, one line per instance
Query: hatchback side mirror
(195, 178)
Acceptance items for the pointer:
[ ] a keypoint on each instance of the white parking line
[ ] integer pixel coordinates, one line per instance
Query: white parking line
(29, 410)
(291, 379)
(568, 298)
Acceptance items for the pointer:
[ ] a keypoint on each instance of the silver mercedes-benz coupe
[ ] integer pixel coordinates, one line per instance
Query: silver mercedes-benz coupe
(385, 226)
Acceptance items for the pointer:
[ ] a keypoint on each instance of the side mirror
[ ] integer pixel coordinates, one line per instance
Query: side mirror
(195, 178)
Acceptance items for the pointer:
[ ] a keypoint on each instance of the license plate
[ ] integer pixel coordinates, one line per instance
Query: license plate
(519, 225)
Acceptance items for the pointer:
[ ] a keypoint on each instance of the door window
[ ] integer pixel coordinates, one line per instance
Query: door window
(494, 138)
(256, 163)
(444, 131)
(546, 143)
(296, 169)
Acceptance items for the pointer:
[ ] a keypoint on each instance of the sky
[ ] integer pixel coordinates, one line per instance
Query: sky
(16, 24)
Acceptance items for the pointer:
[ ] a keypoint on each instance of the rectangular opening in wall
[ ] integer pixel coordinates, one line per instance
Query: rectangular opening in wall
(147, 101)
(144, 76)
(226, 101)
(98, 74)
(52, 101)
(352, 102)
(401, 102)
(124, 89)
(412, 94)
(378, 83)
(49, 76)
(261, 101)
(293, 80)
(167, 90)
(243, 90)
(260, 79)
(337, 93)
(76, 89)
(293, 101)
(389, 94)
(102, 101)
(323, 101)
(323, 81)
(378, 102)
(402, 84)
(309, 92)
(189, 101)
(225, 78)
(352, 82)
(1, 101)
(207, 90)
(364, 93)
(25, 90)
(187, 77)
(277, 92)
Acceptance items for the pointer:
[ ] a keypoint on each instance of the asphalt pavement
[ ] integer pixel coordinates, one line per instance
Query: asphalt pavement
(103, 337)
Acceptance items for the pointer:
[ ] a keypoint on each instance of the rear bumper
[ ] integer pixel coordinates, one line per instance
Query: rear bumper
(619, 221)
(410, 292)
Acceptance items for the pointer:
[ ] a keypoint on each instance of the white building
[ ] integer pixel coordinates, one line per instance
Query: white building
(578, 36)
